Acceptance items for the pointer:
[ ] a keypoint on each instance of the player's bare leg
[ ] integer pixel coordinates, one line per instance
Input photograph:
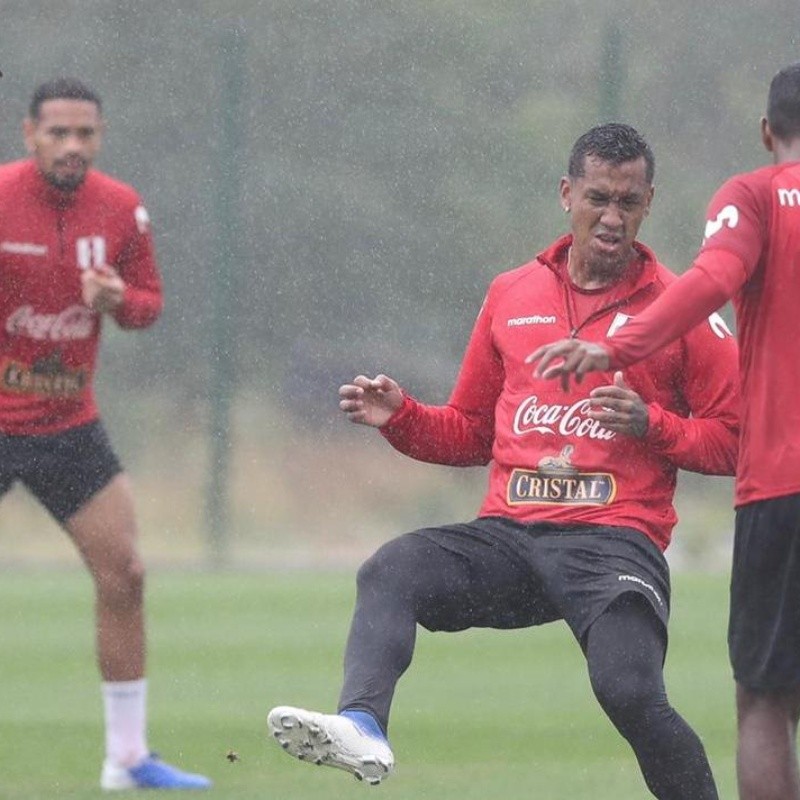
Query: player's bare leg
(104, 530)
(766, 758)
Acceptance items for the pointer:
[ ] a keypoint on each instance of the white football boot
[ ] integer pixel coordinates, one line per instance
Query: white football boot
(334, 740)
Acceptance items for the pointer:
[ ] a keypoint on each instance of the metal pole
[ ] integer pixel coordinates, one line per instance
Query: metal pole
(227, 192)
(612, 74)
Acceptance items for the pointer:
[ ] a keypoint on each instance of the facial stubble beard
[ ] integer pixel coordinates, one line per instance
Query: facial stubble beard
(611, 271)
(70, 184)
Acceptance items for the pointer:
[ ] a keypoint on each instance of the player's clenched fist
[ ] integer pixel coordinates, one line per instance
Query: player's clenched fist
(102, 288)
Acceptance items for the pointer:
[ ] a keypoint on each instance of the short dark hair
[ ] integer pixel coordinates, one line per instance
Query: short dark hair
(613, 142)
(62, 89)
(783, 103)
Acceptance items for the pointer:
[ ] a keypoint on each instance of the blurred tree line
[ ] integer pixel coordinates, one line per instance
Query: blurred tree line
(391, 158)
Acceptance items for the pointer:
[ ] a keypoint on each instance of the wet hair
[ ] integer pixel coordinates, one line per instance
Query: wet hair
(783, 103)
(614, 143)
(62, 89)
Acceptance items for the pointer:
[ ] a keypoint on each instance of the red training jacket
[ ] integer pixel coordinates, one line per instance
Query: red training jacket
(48, 337)
(750, 254)
(549, 460)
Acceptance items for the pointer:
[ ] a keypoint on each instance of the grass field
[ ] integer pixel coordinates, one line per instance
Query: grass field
(479, 714)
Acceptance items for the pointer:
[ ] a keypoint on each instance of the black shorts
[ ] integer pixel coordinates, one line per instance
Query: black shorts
(62, 470)
(764, 626)
(515, 575)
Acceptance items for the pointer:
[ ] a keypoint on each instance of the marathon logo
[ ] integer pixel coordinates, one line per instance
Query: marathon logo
(789, 197)
(536, 487)
(535, 319)
(44, 378)
(634, 579)
(23, 248)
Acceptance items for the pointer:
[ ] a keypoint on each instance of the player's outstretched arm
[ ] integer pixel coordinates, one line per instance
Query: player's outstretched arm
(370, 401)
(562, 358)
(714, 278)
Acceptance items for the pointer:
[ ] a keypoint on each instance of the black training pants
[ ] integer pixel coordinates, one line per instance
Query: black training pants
(411, 580)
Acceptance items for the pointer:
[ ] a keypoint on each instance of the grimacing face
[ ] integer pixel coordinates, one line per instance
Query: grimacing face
(64, 140)
(607, 204)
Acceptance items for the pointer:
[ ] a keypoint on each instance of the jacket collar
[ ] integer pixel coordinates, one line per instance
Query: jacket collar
(642, 272)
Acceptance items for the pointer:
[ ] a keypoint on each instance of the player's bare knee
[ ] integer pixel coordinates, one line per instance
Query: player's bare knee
(121, 586)
(780, 707)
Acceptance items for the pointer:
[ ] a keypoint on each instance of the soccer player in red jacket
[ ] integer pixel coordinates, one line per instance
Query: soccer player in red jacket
(579, 506)
(751, 255)
(75, 248)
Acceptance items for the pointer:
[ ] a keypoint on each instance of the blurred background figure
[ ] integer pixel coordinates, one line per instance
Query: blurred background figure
(75, 247)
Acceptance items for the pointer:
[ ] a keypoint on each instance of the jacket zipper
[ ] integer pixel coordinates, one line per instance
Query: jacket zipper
(574, 330)
(60, 228)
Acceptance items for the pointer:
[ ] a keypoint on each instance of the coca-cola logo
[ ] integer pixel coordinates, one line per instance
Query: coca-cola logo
(74, 322)
(552, 418)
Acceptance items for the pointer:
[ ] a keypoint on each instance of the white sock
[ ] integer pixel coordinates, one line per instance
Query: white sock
(125, 703)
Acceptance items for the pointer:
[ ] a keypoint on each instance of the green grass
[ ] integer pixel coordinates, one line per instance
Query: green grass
(483, 713)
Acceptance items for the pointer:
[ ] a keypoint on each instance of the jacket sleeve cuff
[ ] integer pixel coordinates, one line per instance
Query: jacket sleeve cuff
(401, 417)
(656, 435)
